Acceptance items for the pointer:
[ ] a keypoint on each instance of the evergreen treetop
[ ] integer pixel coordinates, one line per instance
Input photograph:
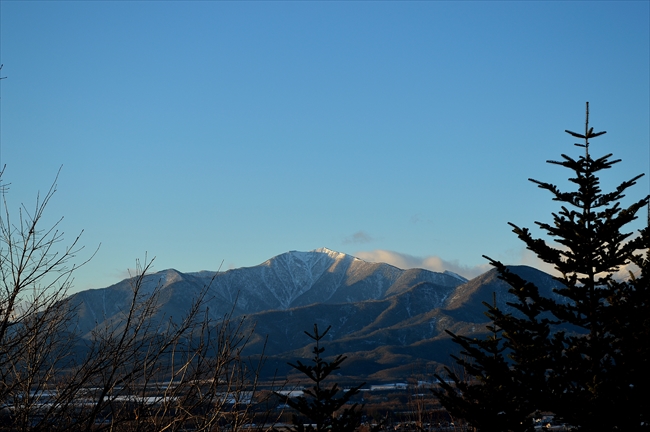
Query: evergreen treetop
(582, 354)
(321, 408)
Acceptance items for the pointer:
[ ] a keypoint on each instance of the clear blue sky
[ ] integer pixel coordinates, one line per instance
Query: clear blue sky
(202, 132)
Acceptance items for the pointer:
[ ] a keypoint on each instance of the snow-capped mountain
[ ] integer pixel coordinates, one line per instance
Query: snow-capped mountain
(296, 279)
(385, 319)
(286, 281)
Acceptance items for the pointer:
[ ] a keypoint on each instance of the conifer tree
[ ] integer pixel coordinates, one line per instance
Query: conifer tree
(583, 353)
(487, 400)
(321, 406)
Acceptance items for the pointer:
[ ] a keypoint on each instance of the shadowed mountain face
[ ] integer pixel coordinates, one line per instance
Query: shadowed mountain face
(388, 321)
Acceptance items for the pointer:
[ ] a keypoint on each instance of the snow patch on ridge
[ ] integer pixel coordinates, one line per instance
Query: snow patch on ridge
(457, 276)
(293, 274)
(329, 252)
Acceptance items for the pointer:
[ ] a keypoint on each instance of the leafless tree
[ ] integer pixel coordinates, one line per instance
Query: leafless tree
(141, 371)
(35, 275)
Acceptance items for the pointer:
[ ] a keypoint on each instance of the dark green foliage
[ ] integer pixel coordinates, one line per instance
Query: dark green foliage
(583, 354)
(322, 408)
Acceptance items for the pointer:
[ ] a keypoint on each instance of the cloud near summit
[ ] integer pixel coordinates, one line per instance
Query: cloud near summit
(358, 237)
(434, 263)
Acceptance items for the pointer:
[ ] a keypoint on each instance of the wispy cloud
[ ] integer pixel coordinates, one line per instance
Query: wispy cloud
(359, 237)
(417, 219)
(432, 262)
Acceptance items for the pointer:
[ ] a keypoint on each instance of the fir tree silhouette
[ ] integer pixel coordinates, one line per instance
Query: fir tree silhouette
(582, 354)
(322, 406)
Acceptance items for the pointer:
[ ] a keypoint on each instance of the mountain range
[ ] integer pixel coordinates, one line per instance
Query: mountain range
(389, 322)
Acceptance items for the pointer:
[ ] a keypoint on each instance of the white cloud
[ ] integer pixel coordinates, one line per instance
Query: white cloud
(359, 237)
(433, 263)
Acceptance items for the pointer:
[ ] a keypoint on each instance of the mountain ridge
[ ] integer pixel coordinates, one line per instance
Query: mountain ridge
(383, 318)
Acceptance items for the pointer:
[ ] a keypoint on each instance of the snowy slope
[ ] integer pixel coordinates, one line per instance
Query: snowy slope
(289, 280)
(297, 279)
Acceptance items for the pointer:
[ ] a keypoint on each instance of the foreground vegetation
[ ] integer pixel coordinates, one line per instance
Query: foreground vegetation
(582, 353)
(140, 372)
(580, 356)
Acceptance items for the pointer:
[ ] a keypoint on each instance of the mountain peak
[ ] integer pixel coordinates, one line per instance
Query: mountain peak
(325, 250)
(456, 275)
(331, 253)
(312, 256)
(307, 257)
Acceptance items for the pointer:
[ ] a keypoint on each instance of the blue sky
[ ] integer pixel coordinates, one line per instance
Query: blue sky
(210, 132)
